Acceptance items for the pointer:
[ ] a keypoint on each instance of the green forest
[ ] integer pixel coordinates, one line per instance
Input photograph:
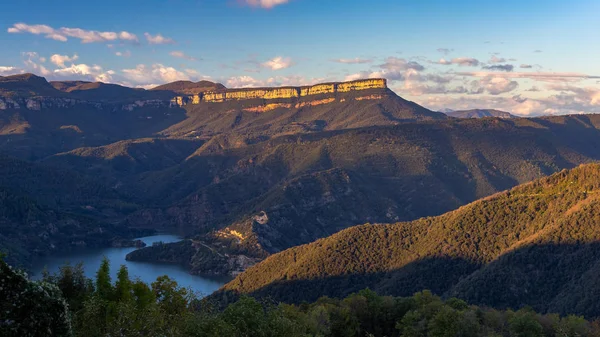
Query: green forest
(536, 244)
(69, 304)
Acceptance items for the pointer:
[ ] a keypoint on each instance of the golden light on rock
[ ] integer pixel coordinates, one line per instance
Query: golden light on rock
(281, 93)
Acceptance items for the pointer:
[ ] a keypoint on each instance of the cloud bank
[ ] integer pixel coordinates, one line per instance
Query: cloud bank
(64, 33)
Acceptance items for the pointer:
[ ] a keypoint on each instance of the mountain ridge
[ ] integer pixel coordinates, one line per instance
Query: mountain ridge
(189, 87)
(483, 252)
(479, 113)
(330, 180)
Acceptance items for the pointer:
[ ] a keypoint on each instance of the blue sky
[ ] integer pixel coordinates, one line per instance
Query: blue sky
(527, 57)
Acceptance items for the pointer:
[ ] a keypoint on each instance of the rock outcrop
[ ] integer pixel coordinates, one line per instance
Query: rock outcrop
(279, 93)
(32, 92)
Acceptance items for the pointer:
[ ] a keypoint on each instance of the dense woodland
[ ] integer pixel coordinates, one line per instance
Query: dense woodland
(537, 244)
(69, 304)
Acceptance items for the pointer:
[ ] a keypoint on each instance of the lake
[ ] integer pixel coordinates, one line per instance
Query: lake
(145, 271)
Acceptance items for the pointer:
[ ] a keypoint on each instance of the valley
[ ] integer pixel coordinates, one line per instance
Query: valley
(296, 168)
(245, 184)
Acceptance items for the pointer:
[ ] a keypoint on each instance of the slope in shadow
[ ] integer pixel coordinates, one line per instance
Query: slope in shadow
(561, 278)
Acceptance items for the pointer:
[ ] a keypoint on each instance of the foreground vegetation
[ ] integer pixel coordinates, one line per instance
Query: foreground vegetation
(69, 304)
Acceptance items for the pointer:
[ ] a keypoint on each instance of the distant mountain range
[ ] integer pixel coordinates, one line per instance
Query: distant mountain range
(478, 113)
(536, 245)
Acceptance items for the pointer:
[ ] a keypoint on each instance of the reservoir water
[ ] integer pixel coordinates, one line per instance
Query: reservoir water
(147, 272)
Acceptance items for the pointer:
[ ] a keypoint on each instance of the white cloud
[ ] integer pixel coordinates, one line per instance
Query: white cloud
(278, 63)
(32, 63)
(127, 36)
(30, 54)
(57, 37)
(62, 34)
(158, 39)
(84, 71)
(277, 81)
(419, 89)
(157, 73)
(356, 60)
(595, 99)
(580, 95)
(461, 61)
(399, 64)
(243, 82)
(32, 29)
(540, 76)
(393, 69)
(529, 107)
(149, 86)
(370, 74)
(496, 59)
(126, 53)
(182, 55)
(4, 70)
(568, 100)
(60, 60)
(264, 3)
(356, 76)
(493, 85)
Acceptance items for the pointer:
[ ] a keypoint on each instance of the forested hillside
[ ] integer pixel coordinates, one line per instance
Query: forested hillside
(254, 197)
(536, 244)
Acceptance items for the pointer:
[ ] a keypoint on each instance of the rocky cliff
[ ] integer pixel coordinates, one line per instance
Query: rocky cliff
(279, 93)
(35, 93)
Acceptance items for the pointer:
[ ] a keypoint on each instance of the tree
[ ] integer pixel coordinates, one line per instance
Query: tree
(104, 287)
(73, 284)
(572, 326)
(142, 294)
(524, 324)
(247, 316)
(31, 308)
(123, 286)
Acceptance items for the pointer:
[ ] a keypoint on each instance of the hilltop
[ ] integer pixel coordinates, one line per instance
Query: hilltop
(108, 93)
(89, 114)
(189, 87)
(25, 86)
(480, 113)
(536, 244)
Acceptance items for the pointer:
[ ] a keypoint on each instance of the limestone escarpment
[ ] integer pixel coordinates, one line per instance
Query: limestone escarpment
(35, 93)
(278, 93)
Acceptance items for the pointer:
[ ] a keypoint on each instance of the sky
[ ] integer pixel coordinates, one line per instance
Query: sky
(526, 57)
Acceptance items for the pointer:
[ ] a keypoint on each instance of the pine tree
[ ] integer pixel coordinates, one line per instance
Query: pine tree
(123, 285)
(104, 286)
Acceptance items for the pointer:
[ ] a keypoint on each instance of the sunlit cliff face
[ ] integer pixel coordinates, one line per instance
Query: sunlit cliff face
(279, 93)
